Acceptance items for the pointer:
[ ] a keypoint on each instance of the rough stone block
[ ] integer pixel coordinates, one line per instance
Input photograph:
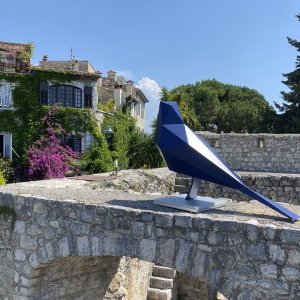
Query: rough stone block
(20, 226)
(257, 252)
(20, 254)
(83, 246)
(28, 242)
(166, 251)
(182, 260)
(269, 271)
(291, 274)
(276, 253)
(38, 208)
(147, 249)
(163, 221)
(63, 247)
(294, 257)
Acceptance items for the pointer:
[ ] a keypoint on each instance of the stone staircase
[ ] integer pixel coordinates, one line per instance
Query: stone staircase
(162, 285)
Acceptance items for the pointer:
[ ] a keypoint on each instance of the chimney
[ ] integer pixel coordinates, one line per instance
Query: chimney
(111, 75)
(129, 87)
(75, 65)
(45, 57)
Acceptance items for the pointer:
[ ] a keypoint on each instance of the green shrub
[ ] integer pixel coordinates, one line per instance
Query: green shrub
(123, 126)
(2, 179)
(109, 106)
(143, 153)
(97, 158)
(6, 169)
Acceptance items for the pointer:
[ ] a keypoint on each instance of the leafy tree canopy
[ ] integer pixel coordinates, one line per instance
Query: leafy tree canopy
(215, 106)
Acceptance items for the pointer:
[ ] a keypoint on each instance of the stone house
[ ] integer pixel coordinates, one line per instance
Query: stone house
(86, 91)
(79, 93)
(123, 93)
(105, 88)
(12, 60)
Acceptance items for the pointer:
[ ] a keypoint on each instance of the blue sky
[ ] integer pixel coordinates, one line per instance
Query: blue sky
(164, 42)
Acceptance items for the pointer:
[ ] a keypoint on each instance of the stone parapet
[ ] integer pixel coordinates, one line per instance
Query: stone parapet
(280, 187)
(243, 250)
(257, 152)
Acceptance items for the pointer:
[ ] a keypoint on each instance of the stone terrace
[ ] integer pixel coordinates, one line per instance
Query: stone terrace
(244, 250)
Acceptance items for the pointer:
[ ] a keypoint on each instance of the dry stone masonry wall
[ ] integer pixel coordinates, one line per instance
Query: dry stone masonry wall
(88, 277)
(7, 271)
(240, 257)
(258, 152)
(280, 187)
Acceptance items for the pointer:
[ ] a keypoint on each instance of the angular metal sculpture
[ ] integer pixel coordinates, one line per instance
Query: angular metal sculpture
(186, 153)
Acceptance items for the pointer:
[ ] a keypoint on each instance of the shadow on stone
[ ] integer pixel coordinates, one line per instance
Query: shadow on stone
(149, 205)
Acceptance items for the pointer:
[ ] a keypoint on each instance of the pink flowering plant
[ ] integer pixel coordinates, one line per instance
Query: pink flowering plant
(48, 157)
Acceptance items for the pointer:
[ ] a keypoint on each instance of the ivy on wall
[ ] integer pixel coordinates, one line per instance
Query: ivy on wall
(123, 126)
(24, 121)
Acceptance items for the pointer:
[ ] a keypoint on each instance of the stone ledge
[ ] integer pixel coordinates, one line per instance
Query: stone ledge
(235, 250)
(281, 187)
(71, 194)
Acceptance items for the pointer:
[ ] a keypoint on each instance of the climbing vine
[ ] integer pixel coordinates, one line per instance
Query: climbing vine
(24, 121)
(123, 126)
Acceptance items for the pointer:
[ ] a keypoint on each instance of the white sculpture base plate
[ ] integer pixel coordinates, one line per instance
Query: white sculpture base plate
(193, 205)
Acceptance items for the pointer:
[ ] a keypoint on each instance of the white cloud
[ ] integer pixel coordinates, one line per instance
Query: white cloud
(152, 91)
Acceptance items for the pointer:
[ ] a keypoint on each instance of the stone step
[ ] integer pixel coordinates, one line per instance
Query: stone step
(161, 283)
(163, 272)
(157, 294)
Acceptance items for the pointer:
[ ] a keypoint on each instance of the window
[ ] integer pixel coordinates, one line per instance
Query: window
(5, 94)
(44, 92)
(74, 142)
(142, 110)
(88, 96)
(65, 95)
(138, 108)
(6, 145)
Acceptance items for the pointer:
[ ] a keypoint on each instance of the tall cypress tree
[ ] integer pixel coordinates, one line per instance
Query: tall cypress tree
(291, 105)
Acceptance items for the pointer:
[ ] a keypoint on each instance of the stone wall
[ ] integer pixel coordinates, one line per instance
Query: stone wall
(280, 187)
(189, 288)
(244, 250)
(258, 152)
(160, 180)
(104, 277)
(6, 255)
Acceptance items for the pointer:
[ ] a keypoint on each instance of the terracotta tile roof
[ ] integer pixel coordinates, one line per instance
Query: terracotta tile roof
(12, 47)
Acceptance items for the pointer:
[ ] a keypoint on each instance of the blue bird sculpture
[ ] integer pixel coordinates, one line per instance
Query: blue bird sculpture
(187, 153)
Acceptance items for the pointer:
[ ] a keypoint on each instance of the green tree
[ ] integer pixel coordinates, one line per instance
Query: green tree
(182, 98)
(289, 121)
(142, 151)
(225, 107)
(97, 158)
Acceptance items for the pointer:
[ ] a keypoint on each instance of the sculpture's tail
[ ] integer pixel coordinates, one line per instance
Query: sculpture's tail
(273, 205)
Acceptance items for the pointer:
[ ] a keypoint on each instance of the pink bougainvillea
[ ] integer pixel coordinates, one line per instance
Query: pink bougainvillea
(48, 157)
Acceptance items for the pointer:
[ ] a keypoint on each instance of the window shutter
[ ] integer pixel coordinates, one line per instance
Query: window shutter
(44, 92)
(88, 96)
(8, 145)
